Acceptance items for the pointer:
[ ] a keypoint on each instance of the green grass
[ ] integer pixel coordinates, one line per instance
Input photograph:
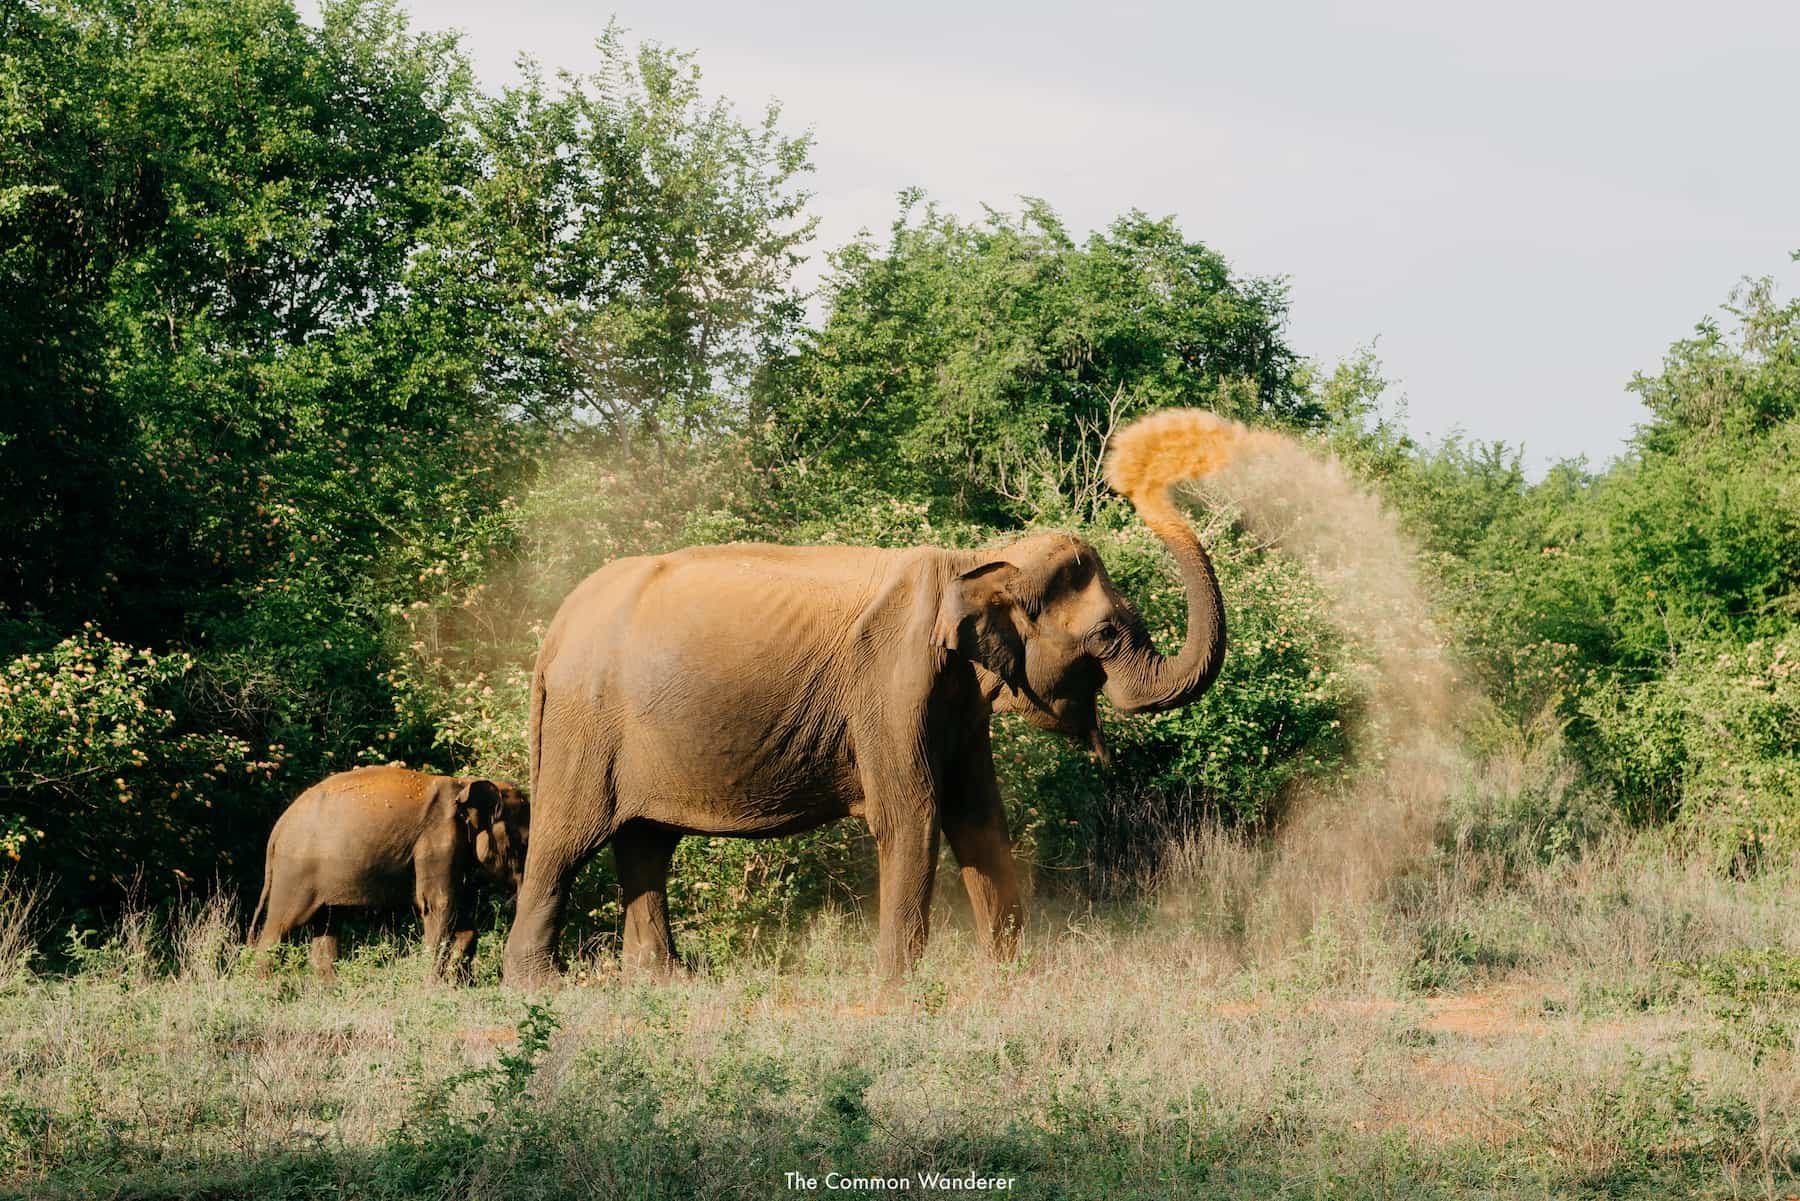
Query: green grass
(1615, 1026)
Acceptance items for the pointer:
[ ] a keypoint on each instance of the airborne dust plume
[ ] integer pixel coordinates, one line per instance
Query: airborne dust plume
(1339, 843)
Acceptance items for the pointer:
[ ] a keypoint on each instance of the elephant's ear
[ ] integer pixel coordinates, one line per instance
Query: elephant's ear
(477, 803)
(978, 618)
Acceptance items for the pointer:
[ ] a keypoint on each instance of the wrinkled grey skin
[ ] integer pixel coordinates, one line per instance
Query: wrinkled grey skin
(757, 691)
(386, 837)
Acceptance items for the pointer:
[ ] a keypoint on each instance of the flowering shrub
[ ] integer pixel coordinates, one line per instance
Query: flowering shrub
(100, 780)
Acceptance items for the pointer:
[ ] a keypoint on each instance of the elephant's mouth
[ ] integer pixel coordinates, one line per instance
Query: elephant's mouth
(1076, 718)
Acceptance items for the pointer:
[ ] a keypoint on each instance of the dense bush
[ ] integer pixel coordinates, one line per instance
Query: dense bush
(1713, 743)
(288, 312)
(1653, 605)
(100, 777)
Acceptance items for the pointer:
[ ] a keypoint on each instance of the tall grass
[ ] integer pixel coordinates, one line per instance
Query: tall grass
(1525, 1006)
(206, 938)
(20, 908)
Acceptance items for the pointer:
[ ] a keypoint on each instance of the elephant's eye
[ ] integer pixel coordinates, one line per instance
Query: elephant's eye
(1105, 635)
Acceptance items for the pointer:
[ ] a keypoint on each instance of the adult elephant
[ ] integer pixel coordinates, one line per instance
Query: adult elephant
(755, 691)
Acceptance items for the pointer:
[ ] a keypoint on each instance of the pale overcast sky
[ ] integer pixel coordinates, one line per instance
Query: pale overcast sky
(1520, 204)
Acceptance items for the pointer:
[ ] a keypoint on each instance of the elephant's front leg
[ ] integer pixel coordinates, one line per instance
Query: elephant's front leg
(903, 815)
(460, 955)
(436, 909)
(435, 888)
(975, 826)
(642, 853)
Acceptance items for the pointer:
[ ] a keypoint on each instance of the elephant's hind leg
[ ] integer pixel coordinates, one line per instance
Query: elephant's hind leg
(642, 852)
(537, 922)
(289, 909)
(324, 950)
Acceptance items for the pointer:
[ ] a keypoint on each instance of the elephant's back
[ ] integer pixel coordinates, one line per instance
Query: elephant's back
(382, 786)
(352, 805)
(751, 564)
(651, 619)
(732, 654)
(726, 585)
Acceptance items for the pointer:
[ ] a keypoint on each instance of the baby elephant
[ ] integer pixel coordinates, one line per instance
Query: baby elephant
(379, 836)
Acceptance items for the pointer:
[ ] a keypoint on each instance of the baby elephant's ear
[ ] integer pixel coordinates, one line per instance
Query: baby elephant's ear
(477, 801)
(477, 804)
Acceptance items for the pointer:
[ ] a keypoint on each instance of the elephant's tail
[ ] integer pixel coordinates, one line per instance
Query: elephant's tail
(262, 902)
(535, 729)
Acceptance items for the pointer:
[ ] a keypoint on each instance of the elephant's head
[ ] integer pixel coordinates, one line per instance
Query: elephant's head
(497, 818)
(1047, 631)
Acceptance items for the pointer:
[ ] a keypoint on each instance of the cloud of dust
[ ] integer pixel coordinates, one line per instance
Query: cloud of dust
(1154, 453)
(1337, 845)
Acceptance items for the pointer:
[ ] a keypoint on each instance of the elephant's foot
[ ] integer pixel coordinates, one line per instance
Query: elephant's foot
(656, 970)
(531, 972)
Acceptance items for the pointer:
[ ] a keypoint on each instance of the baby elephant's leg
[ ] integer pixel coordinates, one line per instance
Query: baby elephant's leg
(436, 900)
(460, 958)
(324, 951)
(290, 908)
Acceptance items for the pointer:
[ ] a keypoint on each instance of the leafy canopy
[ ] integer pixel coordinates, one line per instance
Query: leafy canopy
(969, 363)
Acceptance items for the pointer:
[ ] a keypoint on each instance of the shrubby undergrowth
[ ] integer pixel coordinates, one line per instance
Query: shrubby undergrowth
(1515, 1021)
(1652, 605)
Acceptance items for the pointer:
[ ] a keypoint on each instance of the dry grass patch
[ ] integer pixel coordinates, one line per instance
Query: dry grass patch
(1526, 1039)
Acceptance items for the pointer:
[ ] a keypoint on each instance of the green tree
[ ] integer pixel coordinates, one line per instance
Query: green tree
(231, 381)
(288, 313)
(981, 365)
(1653, 605)
(647, 237)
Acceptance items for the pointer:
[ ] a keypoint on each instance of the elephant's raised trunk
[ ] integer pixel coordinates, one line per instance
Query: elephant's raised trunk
(1138, 679)
(1146, 459)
